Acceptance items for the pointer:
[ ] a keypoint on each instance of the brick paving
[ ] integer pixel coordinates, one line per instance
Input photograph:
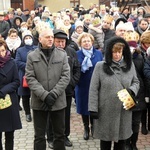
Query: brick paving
(24, 137)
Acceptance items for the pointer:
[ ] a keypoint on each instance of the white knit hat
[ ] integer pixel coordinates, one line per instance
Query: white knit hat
(121, 26)
(78, 24)
(129, 26)
(26, 33)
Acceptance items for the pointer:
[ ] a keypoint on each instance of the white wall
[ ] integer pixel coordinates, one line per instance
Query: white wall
(4, 5)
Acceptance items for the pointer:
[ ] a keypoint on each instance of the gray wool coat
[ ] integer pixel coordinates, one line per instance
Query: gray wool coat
(114, 123)
(47, 77)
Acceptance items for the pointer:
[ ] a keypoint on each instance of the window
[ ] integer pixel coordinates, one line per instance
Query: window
(74, 3)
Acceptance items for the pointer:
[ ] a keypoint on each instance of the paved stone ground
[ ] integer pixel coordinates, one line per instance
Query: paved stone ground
(24, 137)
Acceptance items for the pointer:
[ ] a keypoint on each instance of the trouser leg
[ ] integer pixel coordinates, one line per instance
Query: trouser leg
(58, 125)
(85, 119)
(120, 145)
(144, 122)
(1, 146)
(67, 115)
(9, 140)
(49, 130)
(40, 123)
(105, 145)
(148, 116)
(26, 104)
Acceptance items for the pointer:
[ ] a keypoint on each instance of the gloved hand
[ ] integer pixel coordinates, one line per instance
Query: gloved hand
(94, 115)
(50, 100)
(131, 93)
(147, 99)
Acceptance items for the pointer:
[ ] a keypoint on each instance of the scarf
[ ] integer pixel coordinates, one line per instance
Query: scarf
(118, 62)
(87, 63)
(3, 60)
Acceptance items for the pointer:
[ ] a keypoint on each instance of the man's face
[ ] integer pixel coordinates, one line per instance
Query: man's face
(120, 32)
(106, 25)
(1, 18)
(47, 39)
(143, 25)
(60, 43)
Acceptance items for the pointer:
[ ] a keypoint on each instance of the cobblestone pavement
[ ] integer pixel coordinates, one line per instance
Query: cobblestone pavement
(24, 137)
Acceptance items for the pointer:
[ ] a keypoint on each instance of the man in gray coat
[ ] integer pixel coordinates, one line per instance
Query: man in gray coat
(48, 74)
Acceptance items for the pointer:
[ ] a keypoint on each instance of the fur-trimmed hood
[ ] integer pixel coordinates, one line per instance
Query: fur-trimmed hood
(108, 54)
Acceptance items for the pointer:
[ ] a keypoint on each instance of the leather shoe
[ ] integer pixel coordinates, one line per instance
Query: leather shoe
(86, 133)
(67, 142)
(144, 130)
(50, 145)
(28, 118)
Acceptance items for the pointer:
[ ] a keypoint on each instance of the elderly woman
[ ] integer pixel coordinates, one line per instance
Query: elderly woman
(88, 56)
(113, 122)
(9, 82)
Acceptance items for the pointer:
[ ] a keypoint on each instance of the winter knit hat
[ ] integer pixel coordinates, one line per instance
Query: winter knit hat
(26, 33)
(129, 26)
(78, 24)
(121, 26)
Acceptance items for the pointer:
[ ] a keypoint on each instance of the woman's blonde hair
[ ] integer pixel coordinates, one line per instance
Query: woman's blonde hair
(83, 35)
(12, 30)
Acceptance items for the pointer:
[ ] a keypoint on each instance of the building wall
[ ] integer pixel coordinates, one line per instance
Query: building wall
(4, 5)
(57, 5)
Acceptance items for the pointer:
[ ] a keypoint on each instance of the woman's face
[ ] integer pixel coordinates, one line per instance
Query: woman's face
(2, 51)
(79, 30)
(13, 36)
(117, 55)
(86, 43)
(18, 22)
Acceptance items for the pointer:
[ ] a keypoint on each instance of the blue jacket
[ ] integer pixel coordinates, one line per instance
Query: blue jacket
(82, 88)
(21, 58)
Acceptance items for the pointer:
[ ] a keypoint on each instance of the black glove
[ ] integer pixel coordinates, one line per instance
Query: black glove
(131, 93)
(94, 115)
(50, 100)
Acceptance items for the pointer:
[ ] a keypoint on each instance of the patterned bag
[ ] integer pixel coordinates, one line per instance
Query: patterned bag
(5, 103)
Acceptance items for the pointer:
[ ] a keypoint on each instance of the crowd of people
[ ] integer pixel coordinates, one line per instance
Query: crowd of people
(86, 54)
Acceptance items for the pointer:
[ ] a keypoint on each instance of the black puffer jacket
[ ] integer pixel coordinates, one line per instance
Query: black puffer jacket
(74, 70)
(139, 65)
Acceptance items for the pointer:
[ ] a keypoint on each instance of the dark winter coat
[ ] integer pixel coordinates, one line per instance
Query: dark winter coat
(9, 82)
(82, 88)
(74, 70)
(147, 75)
(21, 58)
(139, 65)
(4, 28)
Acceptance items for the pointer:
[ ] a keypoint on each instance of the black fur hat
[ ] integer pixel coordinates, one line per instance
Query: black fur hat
(108, 54)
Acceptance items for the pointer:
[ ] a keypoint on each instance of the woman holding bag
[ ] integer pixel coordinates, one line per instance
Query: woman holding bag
(113, 121)
(21, 57)
(9, 82)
